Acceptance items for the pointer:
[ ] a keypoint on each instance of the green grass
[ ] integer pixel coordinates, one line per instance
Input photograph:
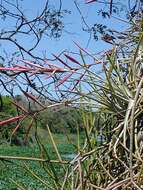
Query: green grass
(16, 170)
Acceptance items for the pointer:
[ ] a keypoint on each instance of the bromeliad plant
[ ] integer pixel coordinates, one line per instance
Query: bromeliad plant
(117, 91)
(112, 87)
(116, 161)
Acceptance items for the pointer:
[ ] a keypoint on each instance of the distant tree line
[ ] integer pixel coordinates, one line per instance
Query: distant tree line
(64, 119)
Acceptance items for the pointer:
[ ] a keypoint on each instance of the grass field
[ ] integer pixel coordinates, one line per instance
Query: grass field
(16, 172)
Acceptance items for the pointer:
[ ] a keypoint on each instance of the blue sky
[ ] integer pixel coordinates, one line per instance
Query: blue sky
(73, 24)
(73, 27)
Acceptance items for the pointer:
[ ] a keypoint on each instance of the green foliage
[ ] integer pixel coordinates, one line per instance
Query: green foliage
(17, 170)
(8, 109)
(64, 120)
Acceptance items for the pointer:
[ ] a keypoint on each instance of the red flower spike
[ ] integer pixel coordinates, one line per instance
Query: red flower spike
(57, 70)
(19, 66)
(72, 59)
(11, 120)
(14, 69)
(33, 98)
(64, 80)
(62, 61)
(85, 51)
(32, 64)
(20, 107)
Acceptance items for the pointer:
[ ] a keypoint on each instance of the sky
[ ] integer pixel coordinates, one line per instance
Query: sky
(73, 28)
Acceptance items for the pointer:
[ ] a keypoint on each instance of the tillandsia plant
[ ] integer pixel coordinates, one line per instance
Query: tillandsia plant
(111, 86)
(117, 93)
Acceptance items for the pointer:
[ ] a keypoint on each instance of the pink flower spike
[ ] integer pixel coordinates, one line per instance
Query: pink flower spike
(33, 98)
(72, 59)
(20, 107)
(17, 127)
(11, 120)
(64, 80)
(88, 53)
(32, 64)
(57, 70)
(85, 51)
(23, 67)
(13, 69)
(62, 61)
